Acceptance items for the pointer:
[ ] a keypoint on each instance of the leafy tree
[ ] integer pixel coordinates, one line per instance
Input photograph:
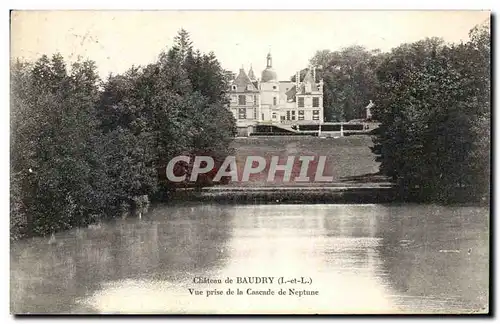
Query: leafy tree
(433, 104)
(349, 81)
(55, 169)
(178, 103)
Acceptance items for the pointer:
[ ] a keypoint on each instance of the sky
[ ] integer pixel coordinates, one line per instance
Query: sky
(116, 40)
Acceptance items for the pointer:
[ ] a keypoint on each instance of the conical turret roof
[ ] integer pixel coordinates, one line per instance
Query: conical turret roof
(243, 82)
(251, 75)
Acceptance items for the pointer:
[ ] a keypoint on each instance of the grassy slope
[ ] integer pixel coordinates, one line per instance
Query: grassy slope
(347, 158)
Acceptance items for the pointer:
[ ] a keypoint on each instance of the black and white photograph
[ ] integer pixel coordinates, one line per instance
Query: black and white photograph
(250, 162)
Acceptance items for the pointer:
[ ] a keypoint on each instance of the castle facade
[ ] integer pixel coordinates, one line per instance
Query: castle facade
(270, 101)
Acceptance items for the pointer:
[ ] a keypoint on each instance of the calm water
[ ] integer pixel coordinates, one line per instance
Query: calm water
(360, 259)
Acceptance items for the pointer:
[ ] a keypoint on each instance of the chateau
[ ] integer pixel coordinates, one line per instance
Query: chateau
(269, 101)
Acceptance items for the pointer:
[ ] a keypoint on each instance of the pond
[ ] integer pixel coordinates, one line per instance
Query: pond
(344, 259)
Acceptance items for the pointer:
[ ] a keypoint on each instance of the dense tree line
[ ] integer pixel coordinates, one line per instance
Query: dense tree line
(349, 80)
(83, 149)
(433, 102)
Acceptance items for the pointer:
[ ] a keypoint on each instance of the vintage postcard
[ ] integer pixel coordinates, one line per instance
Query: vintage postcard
(250, 162)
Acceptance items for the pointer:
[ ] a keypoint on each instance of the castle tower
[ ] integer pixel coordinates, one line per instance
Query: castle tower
(269, 75)
(269, 91)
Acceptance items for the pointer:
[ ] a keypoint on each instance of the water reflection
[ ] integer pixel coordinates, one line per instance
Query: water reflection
(171, 244)
(436, 257)
(361, 259)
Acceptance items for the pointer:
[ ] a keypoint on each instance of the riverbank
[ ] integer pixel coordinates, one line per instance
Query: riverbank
(350, 163)
(335, 193)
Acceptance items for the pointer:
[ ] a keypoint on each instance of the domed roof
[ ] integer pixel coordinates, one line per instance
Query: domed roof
(269, 75)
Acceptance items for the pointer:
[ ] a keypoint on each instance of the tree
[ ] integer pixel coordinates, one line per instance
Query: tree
(433, 104)
(178, 103)
(55, 168)
(349, 81)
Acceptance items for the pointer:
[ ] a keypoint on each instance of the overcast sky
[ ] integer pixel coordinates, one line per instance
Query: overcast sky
(116, 40)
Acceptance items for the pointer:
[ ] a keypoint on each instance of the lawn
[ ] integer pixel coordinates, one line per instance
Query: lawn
(349, 159)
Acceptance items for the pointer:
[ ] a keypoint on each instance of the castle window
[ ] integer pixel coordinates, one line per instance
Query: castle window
(301, 113)
(274, 115)
(301, 102)
(301, 117)
(315, 102)
(274, 101)
(242, 113)
(316, 117)
(315, 112)
(242, 100)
